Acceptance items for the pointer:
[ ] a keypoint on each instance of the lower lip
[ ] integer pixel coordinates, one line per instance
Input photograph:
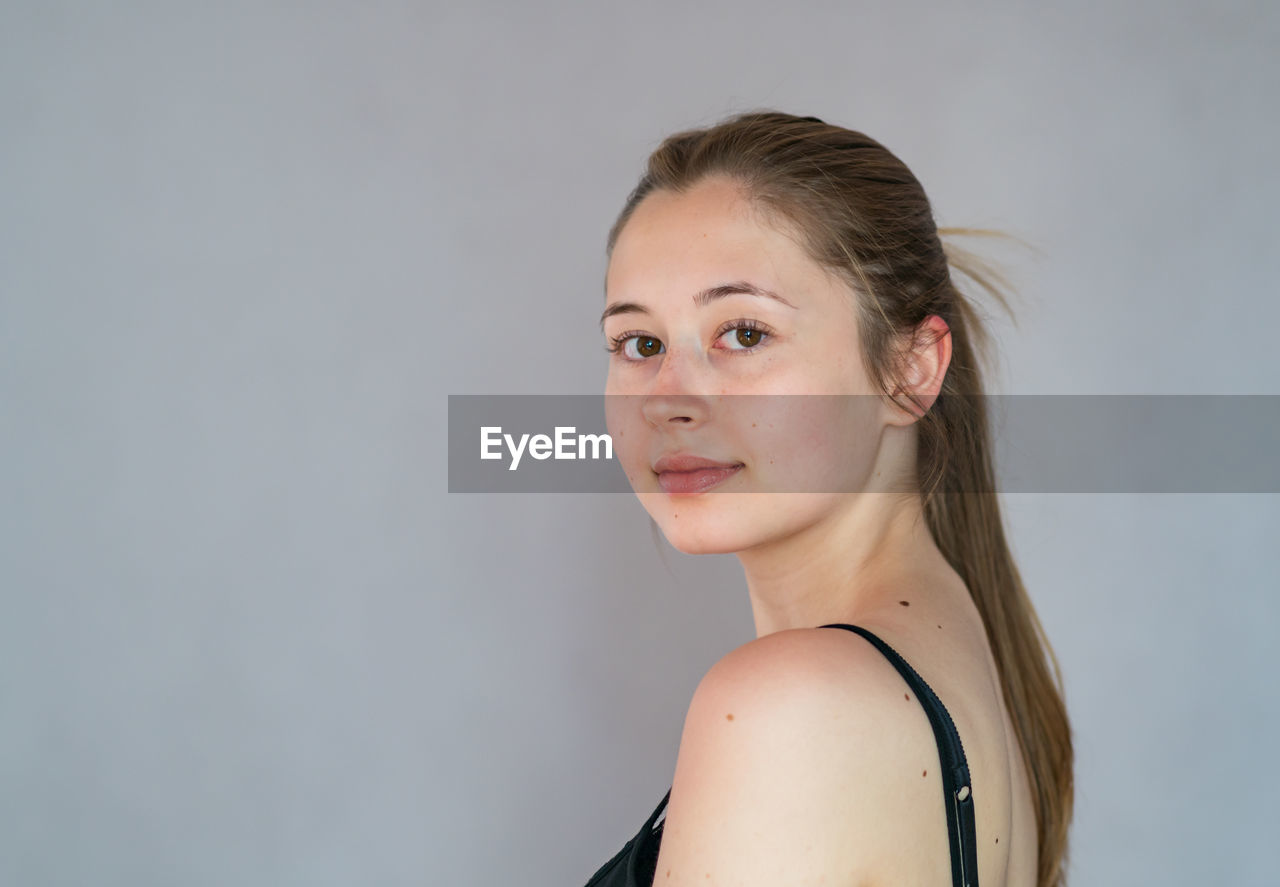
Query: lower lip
(692, 482)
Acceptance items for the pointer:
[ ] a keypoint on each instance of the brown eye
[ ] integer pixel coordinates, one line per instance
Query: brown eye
(647, 346)
(635, 346)
(742, 335)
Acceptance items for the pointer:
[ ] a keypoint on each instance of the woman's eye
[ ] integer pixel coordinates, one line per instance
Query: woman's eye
(636, 347)
(743, 337)
(643, 346)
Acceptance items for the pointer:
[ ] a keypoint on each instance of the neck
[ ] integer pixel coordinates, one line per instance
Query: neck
(856, 558)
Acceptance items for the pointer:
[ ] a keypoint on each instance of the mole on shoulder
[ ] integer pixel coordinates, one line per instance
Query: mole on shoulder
(906, 696)
(905, 603)
(924, 772)
(997, 840)
(939, 626)
(729, 716)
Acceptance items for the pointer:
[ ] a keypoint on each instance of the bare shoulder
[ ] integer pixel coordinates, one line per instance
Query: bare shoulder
(801, 757)
(799, 673)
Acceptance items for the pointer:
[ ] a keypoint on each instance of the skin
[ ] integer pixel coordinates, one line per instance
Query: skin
(804, 758)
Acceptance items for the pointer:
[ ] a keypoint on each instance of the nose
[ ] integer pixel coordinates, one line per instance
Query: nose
(671, 398)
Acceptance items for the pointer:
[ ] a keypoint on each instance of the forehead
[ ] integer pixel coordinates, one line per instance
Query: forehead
(679, 243)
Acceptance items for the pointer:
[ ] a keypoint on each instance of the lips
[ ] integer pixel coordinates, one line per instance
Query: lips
(684, 474)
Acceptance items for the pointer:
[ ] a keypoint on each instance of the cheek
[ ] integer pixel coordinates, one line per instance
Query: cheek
(834, 363)
(628, 429)
(815, 443)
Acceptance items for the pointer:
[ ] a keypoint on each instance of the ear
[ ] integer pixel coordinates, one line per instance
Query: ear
(925, 360)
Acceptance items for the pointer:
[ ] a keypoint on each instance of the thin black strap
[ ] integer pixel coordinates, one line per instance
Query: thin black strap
(643, 863)
(956, 789)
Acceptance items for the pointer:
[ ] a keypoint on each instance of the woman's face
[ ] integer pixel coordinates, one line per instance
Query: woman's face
(721, 325)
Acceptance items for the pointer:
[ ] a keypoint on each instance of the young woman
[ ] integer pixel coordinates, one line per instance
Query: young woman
(793, 378)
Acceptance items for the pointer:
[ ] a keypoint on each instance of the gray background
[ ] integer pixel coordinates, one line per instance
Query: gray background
(247, 249)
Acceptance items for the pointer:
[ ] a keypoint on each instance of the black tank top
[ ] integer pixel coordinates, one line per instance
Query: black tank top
(634, 864)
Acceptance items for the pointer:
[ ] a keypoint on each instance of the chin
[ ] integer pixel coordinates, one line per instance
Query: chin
(731, 524)
(701, 543)
(705, 524)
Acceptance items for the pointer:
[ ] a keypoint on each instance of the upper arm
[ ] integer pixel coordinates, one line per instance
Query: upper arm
(792, 766)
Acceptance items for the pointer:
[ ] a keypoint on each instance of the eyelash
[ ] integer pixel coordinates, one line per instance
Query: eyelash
(616, 343)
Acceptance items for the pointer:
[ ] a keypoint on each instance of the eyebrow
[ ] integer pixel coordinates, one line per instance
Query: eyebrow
(706, 297)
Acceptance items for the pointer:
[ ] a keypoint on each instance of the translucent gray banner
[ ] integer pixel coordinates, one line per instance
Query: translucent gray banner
(790, 443)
